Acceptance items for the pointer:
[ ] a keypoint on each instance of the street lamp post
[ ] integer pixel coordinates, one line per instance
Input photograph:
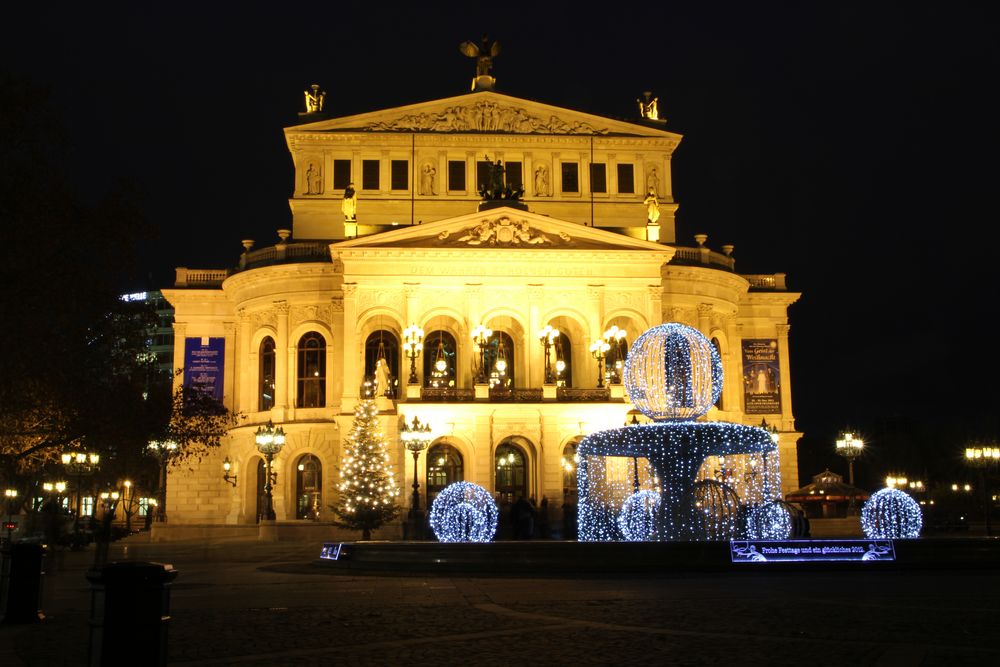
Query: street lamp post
(547, 336)
(80, 465)
(598, 349)
(850, 448)
(416, 437)
(162, 450)
(413, 344)
(982, 458)
(481, 336)
(270, 440)
(615, 337)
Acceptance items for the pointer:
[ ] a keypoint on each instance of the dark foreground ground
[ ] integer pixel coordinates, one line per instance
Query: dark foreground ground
(266, 604)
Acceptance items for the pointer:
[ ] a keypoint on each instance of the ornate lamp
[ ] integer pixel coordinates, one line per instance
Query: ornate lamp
(413, 345)
(850, 448)
(598, 349)
(480, 336)
(983, 457)
(547, 336)
(416, 436)
(227, 466)
(80, 464)
(269, 440)
(615, 338)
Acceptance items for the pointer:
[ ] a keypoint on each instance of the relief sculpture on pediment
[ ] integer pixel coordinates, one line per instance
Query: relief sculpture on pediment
(502, 231)
(484, 116)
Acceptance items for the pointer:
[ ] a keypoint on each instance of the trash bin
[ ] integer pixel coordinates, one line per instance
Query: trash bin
(21, 583)
(130, 613)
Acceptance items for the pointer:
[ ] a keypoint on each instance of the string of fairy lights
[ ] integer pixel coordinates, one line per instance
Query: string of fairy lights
(891, 514)
(464, 512)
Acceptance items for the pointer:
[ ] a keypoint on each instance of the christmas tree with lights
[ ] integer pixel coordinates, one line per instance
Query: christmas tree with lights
(368, 489)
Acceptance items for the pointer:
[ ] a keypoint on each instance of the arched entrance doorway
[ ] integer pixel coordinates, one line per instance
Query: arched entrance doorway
(308, 488)
(511, 467)
(444, 466)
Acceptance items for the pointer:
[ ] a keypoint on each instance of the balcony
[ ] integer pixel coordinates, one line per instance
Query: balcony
(517, 395)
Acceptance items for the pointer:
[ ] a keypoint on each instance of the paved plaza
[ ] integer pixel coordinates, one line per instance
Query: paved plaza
(245, 603)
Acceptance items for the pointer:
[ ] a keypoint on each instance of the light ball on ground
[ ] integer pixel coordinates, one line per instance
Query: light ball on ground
(891, 514)
(464, 512)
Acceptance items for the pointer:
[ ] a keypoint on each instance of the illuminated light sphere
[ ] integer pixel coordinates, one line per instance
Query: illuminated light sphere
(891, 514)
(464, 512)
(673, 372)
(770, 521)
(637, 519)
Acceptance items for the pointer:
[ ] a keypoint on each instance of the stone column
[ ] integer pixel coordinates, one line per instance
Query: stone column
(352, 377)
(654, 307)
(595, 322)
(705, 319)
(787, 420)
(282, 374)
(412, 316)
(246, 366)
(180, 343)
(733, 368)
(535, 357)
(229, 365)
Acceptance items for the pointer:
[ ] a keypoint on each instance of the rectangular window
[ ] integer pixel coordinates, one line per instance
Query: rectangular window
(483, 170)
(399, 174)
(143, 506)
(515, 179)
(570, 177)
(369, 174)
(598, 177)
(456, 175)
(626, 179)
(341, 174)
(87, 506)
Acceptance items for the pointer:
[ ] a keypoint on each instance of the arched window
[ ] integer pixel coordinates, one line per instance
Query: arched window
(562, 364)
(500, 360)
(265, 388)
(439, 359)
(383, 344)
(312, 371)
(308, 488)
(444, 467)
(718, 348)
(512, 472)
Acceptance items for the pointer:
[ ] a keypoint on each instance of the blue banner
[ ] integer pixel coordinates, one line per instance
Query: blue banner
(203, 365)
(778, 551)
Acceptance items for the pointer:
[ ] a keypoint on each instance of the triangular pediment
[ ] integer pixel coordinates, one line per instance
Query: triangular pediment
(503, 228)
(483, 112)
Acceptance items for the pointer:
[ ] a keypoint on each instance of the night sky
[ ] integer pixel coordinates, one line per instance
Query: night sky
(851, 148)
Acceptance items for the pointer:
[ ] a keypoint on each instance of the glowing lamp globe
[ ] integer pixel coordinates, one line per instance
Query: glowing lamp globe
(673, 373)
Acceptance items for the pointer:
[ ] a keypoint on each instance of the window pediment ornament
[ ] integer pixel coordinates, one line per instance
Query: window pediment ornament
(483, 116)
(502, 231)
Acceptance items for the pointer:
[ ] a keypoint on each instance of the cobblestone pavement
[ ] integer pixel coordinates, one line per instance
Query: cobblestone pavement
(252, 604)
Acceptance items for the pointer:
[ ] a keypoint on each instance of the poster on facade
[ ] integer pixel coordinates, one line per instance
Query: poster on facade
(203, 362)
(761, 377)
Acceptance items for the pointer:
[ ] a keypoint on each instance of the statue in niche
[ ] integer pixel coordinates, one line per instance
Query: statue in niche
(427, 177)
(314, 180)
(496, 189)
(314, 99)
(542, 181)
(350, 204)
(653, 181)
(381, 378)
(652, 207)
(484, 53)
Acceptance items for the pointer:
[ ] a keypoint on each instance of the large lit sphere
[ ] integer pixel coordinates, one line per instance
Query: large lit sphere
(673, 372)
(464, 512)
(891, 514)
(770, 521)
(637, 519)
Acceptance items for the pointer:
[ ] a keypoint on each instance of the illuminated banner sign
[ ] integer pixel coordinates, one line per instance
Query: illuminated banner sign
(761, 377)
(331, 550)
(203, 364)
(784, 551)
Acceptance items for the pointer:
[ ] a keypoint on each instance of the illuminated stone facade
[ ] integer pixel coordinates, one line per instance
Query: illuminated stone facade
(301, 320)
